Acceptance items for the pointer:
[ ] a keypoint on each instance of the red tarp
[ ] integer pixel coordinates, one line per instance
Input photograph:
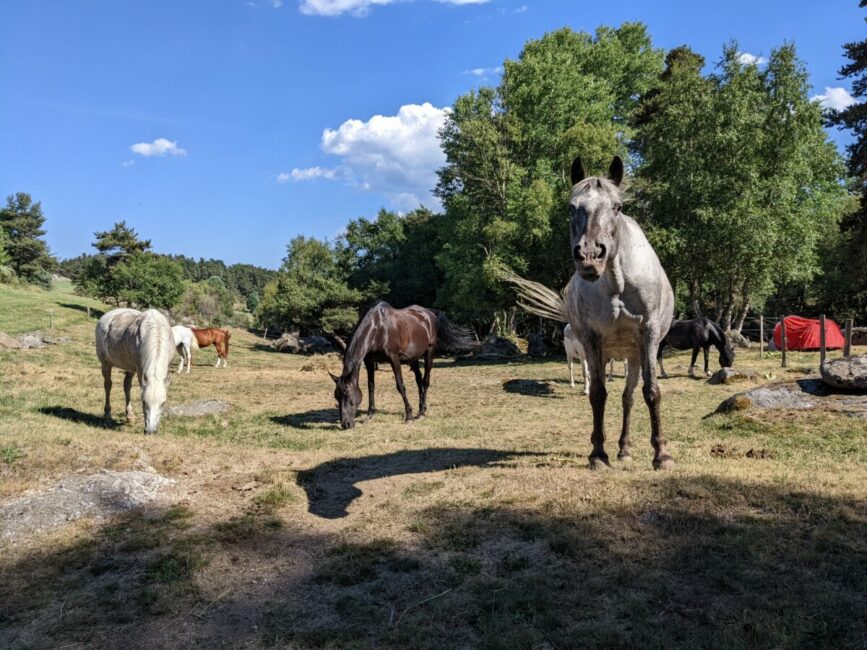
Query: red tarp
(803, 334)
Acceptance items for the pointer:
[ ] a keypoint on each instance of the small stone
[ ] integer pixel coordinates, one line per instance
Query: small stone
(8, 342)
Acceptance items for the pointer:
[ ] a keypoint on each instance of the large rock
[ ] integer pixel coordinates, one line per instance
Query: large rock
(96, 495)
(197, 409)
(848, 373)
(8, 342)
(32, 340)
(802, 394)
(293, 344)
(496, 347)
(731, 376)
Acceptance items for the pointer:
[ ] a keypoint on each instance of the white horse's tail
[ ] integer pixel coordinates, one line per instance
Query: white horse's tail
(537, 298)
(194, 342)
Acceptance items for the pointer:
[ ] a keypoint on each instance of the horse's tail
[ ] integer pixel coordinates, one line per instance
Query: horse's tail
(453, 338)
(194, 341)
(537, 298)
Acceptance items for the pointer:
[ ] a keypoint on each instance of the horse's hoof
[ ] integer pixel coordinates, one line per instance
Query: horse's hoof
(624, 456)
(409, 420)
(420, 416)
(598, 462)
(665, 462)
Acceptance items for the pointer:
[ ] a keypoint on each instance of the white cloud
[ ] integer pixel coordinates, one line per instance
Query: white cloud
(358, 7)
(159, 147)
(745, 58)
(309, 174)
(276, 3)
(127, 163)
(836, 99)
(395, 155)
(484, 72)
(282, 177)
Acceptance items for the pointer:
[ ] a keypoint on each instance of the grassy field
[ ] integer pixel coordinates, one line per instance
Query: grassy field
(479, 526)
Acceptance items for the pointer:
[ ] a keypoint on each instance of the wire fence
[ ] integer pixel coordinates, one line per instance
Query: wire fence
(761, 329)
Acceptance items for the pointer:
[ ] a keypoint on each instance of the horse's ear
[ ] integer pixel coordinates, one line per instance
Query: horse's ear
(615, 171)
(577, 171)
(333, 376)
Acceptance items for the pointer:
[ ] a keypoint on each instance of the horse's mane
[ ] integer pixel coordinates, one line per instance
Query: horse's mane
(155, 344)
(349, 362)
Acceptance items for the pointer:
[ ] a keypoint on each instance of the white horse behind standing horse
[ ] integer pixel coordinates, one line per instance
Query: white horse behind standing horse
(138, 343)
(185, 342)
(574, 350)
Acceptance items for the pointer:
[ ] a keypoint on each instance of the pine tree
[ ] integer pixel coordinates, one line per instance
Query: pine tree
(22, 222)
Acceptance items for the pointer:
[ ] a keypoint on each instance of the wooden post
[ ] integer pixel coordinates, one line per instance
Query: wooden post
(821, 339)
(847, 346)
(761, 336)
(783, 338)
(88, 311)
(265, 335)
(51, 318)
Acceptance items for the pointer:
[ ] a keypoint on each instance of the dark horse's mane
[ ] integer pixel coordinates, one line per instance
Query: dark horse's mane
(723, 346)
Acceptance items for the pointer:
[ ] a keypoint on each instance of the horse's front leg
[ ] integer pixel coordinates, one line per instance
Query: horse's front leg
(653, 398)
(394, 359)
(127, 390)
(706, 368)
(571, 370)
(586, 372)
(632, 371)
(106, 383)
(598, 394)
(370, 366)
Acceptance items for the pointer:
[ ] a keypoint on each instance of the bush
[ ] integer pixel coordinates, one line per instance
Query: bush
(40, 278)
(7, 275)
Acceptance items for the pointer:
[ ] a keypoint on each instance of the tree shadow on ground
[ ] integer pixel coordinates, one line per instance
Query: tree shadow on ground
(74, 415)
(693, 562)
(330, 487)
(94, 312)
(307, 419)
(529, 387)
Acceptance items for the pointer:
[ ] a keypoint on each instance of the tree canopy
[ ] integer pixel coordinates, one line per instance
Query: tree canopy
(22, 223)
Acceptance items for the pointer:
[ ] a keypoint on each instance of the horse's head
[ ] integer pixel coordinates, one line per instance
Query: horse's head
(153, 398)
(348, 396)
(595, 208)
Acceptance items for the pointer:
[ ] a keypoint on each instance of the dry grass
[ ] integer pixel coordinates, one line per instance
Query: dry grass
(479, 526)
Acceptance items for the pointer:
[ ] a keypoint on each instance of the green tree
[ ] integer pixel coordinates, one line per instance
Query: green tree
(126, 271)
(22, 222)
(738, 180)
(849, 294)
(508, 150)
(393, 256)
(310, 292)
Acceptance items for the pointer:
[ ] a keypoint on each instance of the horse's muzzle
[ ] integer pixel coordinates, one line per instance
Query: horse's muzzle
(590, 271)
(345, 424)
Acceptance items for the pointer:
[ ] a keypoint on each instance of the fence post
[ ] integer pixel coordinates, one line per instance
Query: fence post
(783, 338)
(51, 318)
(821, 339)
(265, 335)
(761, 336)
(847, 346)
(88, 311)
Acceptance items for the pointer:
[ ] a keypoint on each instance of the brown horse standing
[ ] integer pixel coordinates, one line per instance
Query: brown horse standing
(395, 336)
(217, 337)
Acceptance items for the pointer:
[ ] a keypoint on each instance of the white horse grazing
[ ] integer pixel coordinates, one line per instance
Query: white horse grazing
(619, 302)
(138, 343)
(574, 350)
(185, 342)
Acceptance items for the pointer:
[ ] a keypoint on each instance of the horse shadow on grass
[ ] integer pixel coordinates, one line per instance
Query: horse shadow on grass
(307, 419)
(529, 387)
(330, 487)
(74, 415)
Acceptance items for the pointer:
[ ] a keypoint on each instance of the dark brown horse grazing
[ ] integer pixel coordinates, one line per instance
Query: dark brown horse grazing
(395, 336)
(217, 337)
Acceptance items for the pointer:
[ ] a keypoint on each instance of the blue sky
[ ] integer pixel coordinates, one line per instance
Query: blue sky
(223, 128)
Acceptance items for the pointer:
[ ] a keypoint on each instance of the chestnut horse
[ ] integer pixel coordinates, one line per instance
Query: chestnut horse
(217, 337)
(395, 336)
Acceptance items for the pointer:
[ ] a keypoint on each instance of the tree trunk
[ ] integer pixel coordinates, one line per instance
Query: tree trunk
(726, 320)
(742, 315)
